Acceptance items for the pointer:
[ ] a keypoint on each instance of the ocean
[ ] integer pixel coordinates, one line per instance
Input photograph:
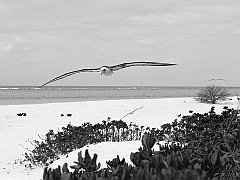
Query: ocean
(10, 95)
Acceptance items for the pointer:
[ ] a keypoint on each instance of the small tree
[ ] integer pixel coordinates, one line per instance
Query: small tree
(212, 94)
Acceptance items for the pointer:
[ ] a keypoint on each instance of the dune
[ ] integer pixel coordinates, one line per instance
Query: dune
(17, 132)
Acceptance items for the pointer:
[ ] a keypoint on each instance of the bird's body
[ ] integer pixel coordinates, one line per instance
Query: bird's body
(108, 70)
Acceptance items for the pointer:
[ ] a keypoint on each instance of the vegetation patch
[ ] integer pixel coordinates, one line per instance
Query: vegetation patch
(70, 138)
(203, 146)
(212, 94)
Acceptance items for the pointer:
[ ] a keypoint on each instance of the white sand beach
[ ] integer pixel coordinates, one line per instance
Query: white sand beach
(16, 131)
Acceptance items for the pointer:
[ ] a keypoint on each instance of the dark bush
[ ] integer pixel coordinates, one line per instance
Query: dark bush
(212, 94)
(74, 137)
(213, 139)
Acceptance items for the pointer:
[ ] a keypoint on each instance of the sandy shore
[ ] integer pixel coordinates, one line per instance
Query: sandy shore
(16, 131)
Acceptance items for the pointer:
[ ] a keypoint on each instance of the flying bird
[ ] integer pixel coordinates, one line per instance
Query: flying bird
(216, 80)
(108, 70)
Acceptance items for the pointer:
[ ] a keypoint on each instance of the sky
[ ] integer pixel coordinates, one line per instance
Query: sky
(41, 39)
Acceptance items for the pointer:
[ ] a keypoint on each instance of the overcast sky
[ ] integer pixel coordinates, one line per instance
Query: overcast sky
(41, 39)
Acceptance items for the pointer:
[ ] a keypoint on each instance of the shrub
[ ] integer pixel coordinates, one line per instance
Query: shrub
(214, 140)
(74, 137)
(149, 165)
(208, 149)
(212, 94)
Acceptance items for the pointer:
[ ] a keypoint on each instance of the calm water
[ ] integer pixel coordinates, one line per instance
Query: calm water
(32, 95)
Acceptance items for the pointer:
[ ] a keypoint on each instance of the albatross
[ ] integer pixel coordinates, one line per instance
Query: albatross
(108, 70)
(216, 80)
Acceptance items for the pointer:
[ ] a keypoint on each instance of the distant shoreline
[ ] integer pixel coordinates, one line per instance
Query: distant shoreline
(96, 87)
(32, 95)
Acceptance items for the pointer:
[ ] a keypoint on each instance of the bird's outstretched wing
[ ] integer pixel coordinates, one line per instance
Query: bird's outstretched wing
(69, 74)
(130, 64)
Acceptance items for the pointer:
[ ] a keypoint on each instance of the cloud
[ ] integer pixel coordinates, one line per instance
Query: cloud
(167, 18)
(9, 42)
(7, 47)
(41, 37)
(147, 41)
(2, 6)
(198, 13)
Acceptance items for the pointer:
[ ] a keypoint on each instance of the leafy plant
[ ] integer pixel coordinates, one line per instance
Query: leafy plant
(74, 137)
(214, 139)
(150, 166)
(212, 94)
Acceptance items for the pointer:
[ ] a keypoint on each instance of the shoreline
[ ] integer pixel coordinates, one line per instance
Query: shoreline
(16, 132)
(30, 95)
(56, 101)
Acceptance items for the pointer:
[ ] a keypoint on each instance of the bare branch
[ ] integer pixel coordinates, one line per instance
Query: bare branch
(131, 113)
(25, 148)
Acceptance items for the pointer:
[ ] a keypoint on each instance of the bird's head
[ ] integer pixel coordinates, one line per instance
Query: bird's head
(106, 71)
